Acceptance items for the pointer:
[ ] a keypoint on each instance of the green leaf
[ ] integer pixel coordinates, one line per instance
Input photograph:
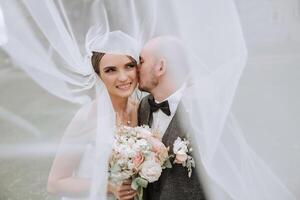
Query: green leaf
(138, 184)
(142, 182)
(140, 193)
(134, 184)
(168, 164)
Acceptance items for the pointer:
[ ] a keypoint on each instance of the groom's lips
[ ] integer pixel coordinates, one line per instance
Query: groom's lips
(124, 86)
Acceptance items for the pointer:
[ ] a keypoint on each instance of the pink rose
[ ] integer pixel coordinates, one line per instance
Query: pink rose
(138, 160)
(180, 158)
(157, 145)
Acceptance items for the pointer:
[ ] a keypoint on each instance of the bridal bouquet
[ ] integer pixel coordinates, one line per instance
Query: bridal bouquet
(138, 154)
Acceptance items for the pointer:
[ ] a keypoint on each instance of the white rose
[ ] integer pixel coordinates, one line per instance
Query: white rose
(130, 153)
(121, 162)
(118, 147)
(143, 132)
(130, 165)
(179, 146)
(150, 171)
(142, 142)
(182, 150)
(131, 141)
(125, 150)
(141, 145)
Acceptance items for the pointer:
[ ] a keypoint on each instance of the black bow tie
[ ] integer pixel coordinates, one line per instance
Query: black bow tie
(163, 106)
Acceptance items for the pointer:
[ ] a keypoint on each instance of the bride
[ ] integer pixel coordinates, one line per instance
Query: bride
(71, 173)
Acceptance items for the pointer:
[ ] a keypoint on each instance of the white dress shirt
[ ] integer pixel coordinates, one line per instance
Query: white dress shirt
(161, 121)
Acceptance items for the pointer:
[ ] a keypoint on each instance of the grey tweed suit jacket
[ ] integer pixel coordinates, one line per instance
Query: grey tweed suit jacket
(174, 183)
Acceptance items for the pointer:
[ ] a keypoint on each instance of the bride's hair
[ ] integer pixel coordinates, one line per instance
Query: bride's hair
(97, 56)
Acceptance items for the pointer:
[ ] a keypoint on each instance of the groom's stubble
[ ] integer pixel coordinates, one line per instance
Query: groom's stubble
(147, 82)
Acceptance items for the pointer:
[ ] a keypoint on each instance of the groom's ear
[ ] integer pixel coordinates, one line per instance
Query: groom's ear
(162, 67)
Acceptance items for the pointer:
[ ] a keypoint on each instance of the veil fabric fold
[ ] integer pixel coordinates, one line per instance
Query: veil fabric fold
(3, 37)
(52, 44)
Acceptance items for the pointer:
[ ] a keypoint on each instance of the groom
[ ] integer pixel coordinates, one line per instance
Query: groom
(162, 71)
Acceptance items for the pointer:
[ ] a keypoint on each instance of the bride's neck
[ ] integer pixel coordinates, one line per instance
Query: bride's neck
(119, 103)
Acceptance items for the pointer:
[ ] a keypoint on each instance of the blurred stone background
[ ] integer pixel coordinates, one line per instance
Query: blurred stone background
(266, 103)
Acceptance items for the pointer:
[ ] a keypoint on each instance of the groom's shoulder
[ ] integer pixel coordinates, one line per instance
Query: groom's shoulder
(143, 110)
(144, 102)
(145, 98)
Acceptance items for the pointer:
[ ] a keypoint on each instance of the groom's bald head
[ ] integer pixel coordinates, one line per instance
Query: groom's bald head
(167, 47)
(162, 59)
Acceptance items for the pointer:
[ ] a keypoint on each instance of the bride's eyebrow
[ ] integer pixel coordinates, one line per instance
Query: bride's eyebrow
(129, 63)
(109, 67)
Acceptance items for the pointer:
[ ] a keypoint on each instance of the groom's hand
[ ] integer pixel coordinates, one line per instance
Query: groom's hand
(124, 191)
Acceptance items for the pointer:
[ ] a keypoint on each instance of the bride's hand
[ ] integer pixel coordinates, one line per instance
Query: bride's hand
(124, 191)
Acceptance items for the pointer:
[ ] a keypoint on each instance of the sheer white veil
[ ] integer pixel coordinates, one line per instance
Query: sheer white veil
(3, 37)
(49, 42)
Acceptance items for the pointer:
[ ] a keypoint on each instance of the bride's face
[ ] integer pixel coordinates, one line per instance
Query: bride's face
(119, 74)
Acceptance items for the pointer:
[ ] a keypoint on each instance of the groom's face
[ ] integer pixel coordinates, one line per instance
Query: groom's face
(147, 77)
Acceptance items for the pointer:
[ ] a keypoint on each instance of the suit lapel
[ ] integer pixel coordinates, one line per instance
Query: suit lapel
(174, 129)
(144, 112)
(169, 131)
